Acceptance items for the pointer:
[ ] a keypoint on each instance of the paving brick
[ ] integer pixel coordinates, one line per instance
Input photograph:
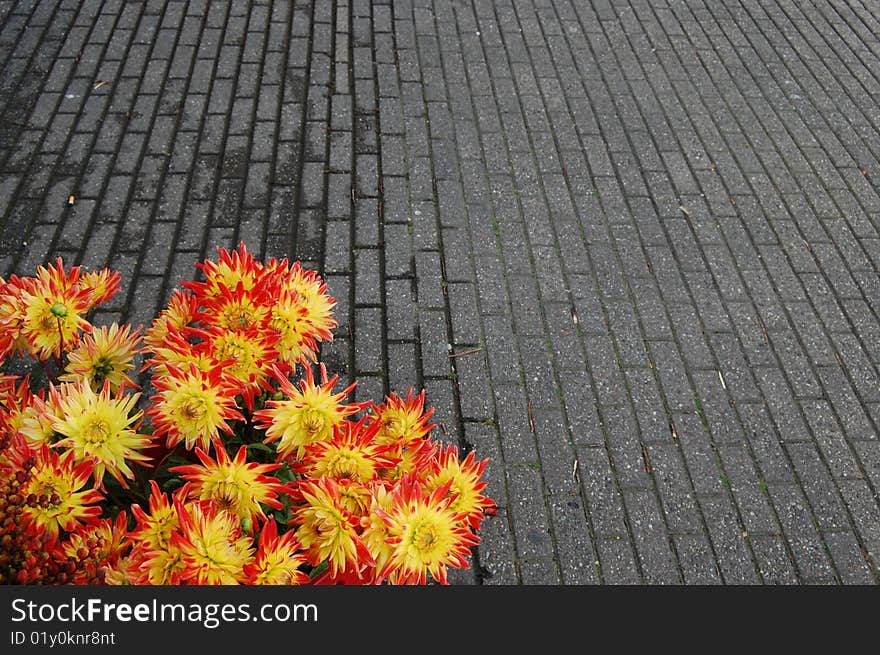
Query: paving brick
(869, 455)
(531, 522)
(576, 556)
(558, 460)
(651, 415)
(627, 335)
(497, 555)
(773, 560)
(850, 559)
(699, 454)
(618, 562)
(728, 540)
(748, 488)
(800, 531)
(697, 560)
(851, 412)
(604, 502)
(862, 504)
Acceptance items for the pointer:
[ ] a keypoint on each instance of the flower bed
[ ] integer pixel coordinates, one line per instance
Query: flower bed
(246, 466)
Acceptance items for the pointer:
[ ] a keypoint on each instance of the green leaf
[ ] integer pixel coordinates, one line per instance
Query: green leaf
(171, 484)
(318, 570)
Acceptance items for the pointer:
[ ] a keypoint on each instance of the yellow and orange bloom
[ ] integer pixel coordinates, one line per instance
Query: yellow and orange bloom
(36, 420)
(11, 316)
(413, 460)
(107, 354)
(302, 313)
(101, 428)
(153, 528)
(55, 496)
(377, 532)
(122, 572)
(211, 544)
(236, 310)
(308, 416)
(22, 411)
(354, 496)
(352, 453)
(404, 426)
(313, 292)
(194, 406)
(178, 350)
(156, 567)
(182, 310)
(154, 559)
(246, 355)
(403, 421)
(53, 306)
(236, 485)
(463, 479)
(289, 318)
(232, 270)
(101, 285)
(327, 531)
(426, 534)
(278, 559)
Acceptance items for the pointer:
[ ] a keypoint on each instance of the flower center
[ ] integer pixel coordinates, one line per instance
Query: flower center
(312, 422)
(97, 431)
(194, 409)
(325, 526)
(424, 538)
(102, 368)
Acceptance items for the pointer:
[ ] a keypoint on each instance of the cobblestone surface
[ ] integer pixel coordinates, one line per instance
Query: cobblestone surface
(630, 247)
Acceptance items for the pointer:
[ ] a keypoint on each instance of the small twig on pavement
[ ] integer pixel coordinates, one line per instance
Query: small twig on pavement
(465, 352)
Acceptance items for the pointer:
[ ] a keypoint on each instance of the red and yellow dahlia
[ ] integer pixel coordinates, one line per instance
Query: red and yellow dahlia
(54, 305)
(232, 270)
(236, 310)
(11, 316)
(403, 421)
(36, 420)
(107, 354)
(154, 558)
(427, 535)
(101, 428)
(182, 310)
(101, 285)
(352, 453)
(278, 559)
(246, 355)
(328, 531)
(213, 549)
(238, 486)
(462, 478)
(54, 494)
(97, 547)
(309, 414)
(194, 406)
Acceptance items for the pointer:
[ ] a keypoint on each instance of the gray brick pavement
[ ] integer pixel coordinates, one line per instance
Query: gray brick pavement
(646, 229)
